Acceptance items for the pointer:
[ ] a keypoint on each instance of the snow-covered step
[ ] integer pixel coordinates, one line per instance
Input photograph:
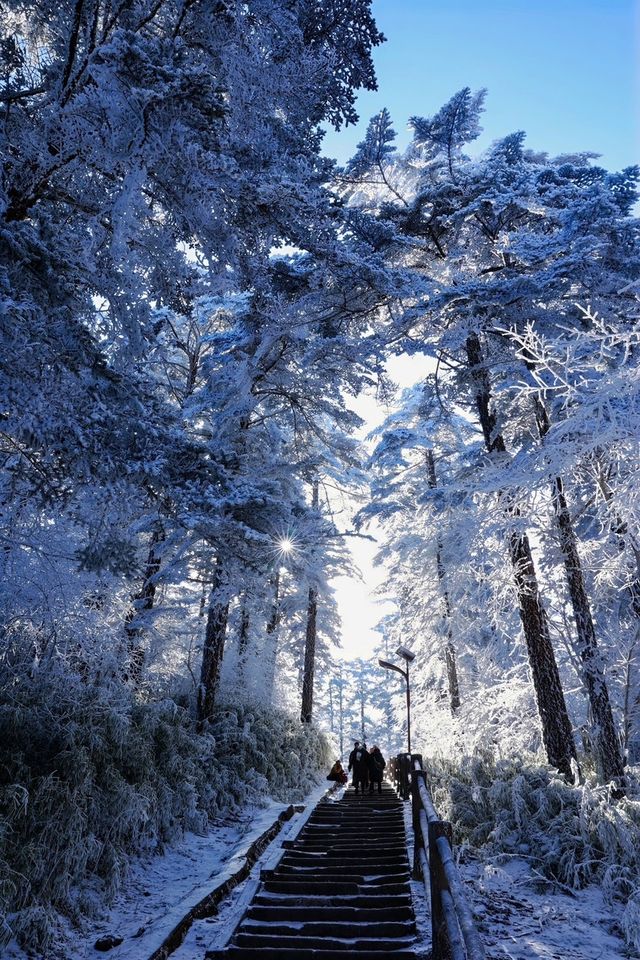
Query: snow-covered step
(353, 944)
(296, 899)
(315, 858)
(303, 874)
(331, 886)
(374, 928)
(341, 887)
(349, 914)
(302, 953)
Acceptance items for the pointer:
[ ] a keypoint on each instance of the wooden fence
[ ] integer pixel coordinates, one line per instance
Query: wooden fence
(454, 935)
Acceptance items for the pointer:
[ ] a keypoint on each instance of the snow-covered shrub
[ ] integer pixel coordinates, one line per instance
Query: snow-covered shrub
(631, 922)
(572, 834)
(90, 778)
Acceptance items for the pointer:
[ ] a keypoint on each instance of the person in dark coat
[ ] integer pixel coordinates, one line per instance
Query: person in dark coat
(377, 763)
(352, 760)
(361, 768)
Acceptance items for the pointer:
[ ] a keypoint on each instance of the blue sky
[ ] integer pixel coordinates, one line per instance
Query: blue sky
(565, 71)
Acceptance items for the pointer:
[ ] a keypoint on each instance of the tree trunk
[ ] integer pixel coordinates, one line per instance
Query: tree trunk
(331, 710)
(203, 601)
(626, 538)
(557, 735)
(213, 652)
(341, 715)
(631, 710)
(309, 657)
(310, 640)
(142, 602)
(608, 755)
(243, 638)
(271, 640)
(450, 652)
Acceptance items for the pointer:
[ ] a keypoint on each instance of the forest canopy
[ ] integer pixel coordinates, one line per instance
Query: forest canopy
(191, 296)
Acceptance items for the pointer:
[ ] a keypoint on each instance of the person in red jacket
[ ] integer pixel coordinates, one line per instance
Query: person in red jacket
(337, 773)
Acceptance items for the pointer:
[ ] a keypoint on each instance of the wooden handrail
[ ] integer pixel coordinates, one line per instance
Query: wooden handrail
(427, 802)
(475, 950)
(454, 934)
(399, 772)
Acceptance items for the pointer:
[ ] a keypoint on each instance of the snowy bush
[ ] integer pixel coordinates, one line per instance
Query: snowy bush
(631, 921)
(90, 778)
(574, 835)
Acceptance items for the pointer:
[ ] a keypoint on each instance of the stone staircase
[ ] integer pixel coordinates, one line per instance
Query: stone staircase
(342, 887)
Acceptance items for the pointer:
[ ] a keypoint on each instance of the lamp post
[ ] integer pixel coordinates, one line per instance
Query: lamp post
(408, 658)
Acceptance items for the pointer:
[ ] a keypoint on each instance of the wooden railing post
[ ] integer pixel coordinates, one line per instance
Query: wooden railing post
(416, 806)
(440, 940)
(392, 770)
(404, 764)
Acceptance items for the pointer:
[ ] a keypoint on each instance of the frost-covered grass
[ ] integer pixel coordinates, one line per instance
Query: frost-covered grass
(90, 779)
(574, 835)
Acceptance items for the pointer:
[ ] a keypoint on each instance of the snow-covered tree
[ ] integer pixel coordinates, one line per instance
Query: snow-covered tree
(495, 243)
(181, 312)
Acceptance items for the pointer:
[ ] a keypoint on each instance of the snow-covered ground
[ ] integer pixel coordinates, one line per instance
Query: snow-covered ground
(522, 916)
(160, 890)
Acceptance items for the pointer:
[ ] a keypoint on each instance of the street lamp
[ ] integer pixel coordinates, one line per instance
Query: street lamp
(408, 656)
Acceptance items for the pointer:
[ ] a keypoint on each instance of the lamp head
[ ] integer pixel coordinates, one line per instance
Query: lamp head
(407, 655)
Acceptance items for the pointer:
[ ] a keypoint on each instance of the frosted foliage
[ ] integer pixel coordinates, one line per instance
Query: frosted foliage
(520, 285)
(452, 128)
(497, 701)
(92, 779)
(571, 834)
(631, 922)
